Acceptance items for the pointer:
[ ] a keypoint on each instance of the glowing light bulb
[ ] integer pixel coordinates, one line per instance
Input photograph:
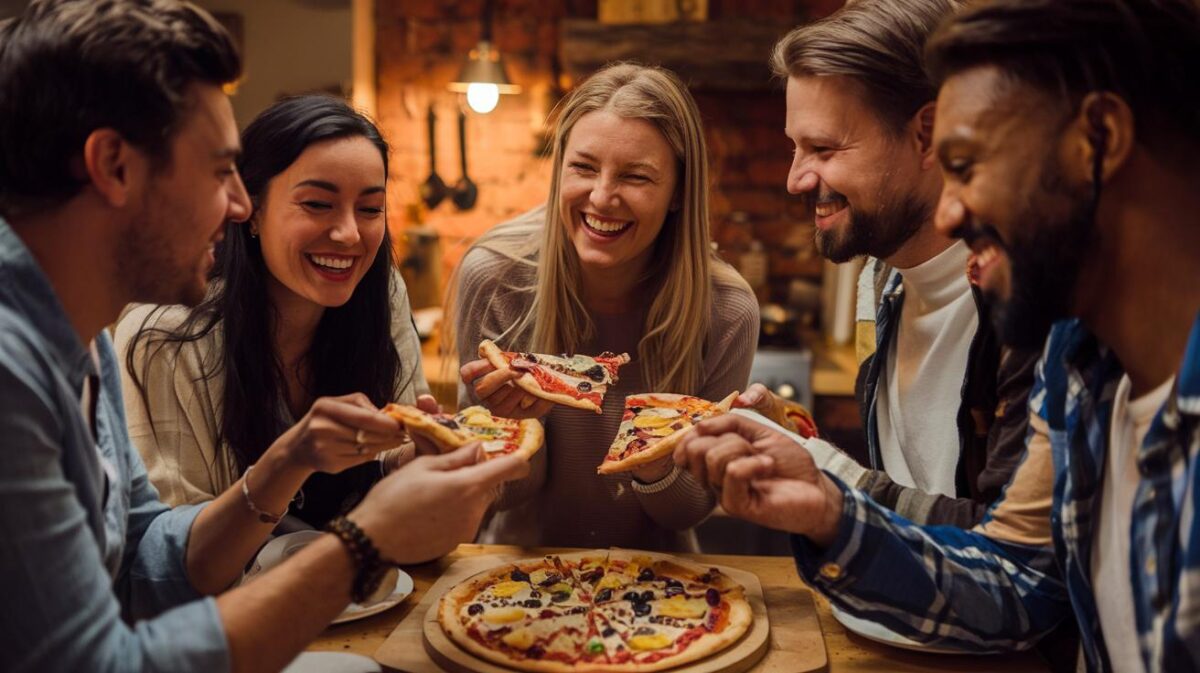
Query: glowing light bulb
(483, 97)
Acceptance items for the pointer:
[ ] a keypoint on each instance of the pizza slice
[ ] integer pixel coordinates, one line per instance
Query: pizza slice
(578, 381)
(587, 570)
(653, 424)
(500, 436)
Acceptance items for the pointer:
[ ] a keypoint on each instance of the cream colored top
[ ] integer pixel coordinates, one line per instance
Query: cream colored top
(180, 450)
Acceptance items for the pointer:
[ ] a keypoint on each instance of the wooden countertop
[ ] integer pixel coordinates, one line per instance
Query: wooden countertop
(847, 652)
(835, 368)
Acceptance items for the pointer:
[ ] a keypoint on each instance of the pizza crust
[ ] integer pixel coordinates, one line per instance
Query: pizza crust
(662, 447)
(532, 438)
(526, 381)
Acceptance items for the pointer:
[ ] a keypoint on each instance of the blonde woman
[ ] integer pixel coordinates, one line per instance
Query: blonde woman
(619, 260)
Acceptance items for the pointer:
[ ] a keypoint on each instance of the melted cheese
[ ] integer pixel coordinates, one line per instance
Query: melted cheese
(656, 641)
(678, 606)
(521, 639)
(506, 589)
(650, 421)
(494, 445)
(503, 615)
(612, 581)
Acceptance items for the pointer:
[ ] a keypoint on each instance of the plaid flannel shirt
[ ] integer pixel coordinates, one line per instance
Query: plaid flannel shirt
(966, 590)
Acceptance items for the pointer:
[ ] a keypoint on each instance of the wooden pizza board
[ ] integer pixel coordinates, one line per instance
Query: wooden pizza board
(790, 641)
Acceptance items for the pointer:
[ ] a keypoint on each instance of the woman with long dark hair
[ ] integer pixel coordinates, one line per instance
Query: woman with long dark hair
(305, 303)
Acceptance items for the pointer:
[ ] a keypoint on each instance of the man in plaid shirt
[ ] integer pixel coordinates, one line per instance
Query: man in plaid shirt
(1067, 131)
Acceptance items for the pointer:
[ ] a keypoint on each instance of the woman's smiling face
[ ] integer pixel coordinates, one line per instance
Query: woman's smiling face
(322, 220)
(618, 183)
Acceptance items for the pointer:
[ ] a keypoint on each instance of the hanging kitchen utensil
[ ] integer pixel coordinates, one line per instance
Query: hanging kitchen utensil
(465, 192)
(433, 190)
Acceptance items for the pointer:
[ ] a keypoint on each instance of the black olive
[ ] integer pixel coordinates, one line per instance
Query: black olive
(535, 652)
(644, 631)
(550, 579)
(631, 596)
(474, 609)
(673, 591)
(532, 603)
(646, 575)
(608, 632)
(595, 373)
(712, 597)
(656, 619)
(641, 609)
(704, 579)
(584, 387)
(636, 410)
(603, 595)
(673, 583)
(519, 576)
(560, 596)
(535, 594)
(447, 422)
(647, 596)
(578, 610)
(593, 575)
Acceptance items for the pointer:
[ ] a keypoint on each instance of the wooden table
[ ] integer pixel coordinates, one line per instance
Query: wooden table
(847, 652)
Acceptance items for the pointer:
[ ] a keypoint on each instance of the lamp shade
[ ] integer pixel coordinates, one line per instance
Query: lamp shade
(484, 65)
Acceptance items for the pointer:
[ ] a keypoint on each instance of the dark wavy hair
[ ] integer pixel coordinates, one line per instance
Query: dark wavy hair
(352, 350)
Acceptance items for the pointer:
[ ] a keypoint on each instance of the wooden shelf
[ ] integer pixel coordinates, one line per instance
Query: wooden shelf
(730, 55)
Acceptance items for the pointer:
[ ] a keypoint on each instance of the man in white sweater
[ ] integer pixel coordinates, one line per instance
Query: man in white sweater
(943, 405)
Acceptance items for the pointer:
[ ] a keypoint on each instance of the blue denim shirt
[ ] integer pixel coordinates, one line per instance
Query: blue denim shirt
(92, 564)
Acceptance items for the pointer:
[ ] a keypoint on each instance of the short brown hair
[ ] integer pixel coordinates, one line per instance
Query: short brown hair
(69, 67)
(878, 43)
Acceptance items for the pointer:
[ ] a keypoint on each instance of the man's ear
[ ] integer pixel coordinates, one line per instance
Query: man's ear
(921, 128)
(112, 165)
(1105, 126)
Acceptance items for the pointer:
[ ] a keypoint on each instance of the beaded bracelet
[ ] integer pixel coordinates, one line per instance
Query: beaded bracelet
(369, 568)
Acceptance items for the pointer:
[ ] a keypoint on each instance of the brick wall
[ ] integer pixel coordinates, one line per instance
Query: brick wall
(421, 45)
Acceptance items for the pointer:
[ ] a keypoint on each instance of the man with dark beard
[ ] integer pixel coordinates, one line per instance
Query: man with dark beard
(1067, 131)
(943, 405)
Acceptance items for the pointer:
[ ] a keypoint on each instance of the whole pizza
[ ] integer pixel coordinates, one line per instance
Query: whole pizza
(603, 611)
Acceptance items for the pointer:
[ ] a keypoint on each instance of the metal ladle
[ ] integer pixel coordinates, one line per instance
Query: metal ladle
(465, 192)
(433, 190)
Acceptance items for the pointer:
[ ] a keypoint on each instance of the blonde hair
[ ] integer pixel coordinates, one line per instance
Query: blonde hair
(670, 352)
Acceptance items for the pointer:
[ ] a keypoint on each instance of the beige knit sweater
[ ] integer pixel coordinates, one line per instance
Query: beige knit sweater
(563, 502)
(180, 450)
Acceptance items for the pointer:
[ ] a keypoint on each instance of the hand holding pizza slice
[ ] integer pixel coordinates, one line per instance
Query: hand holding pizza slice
(500, 436)
(653, 424)
(578, 381)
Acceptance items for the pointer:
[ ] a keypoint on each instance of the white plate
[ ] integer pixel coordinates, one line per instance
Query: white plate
(404, 589)
(279, 549)
(882, 634)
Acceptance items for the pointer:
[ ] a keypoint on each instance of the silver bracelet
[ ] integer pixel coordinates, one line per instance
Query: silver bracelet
(265, 517)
